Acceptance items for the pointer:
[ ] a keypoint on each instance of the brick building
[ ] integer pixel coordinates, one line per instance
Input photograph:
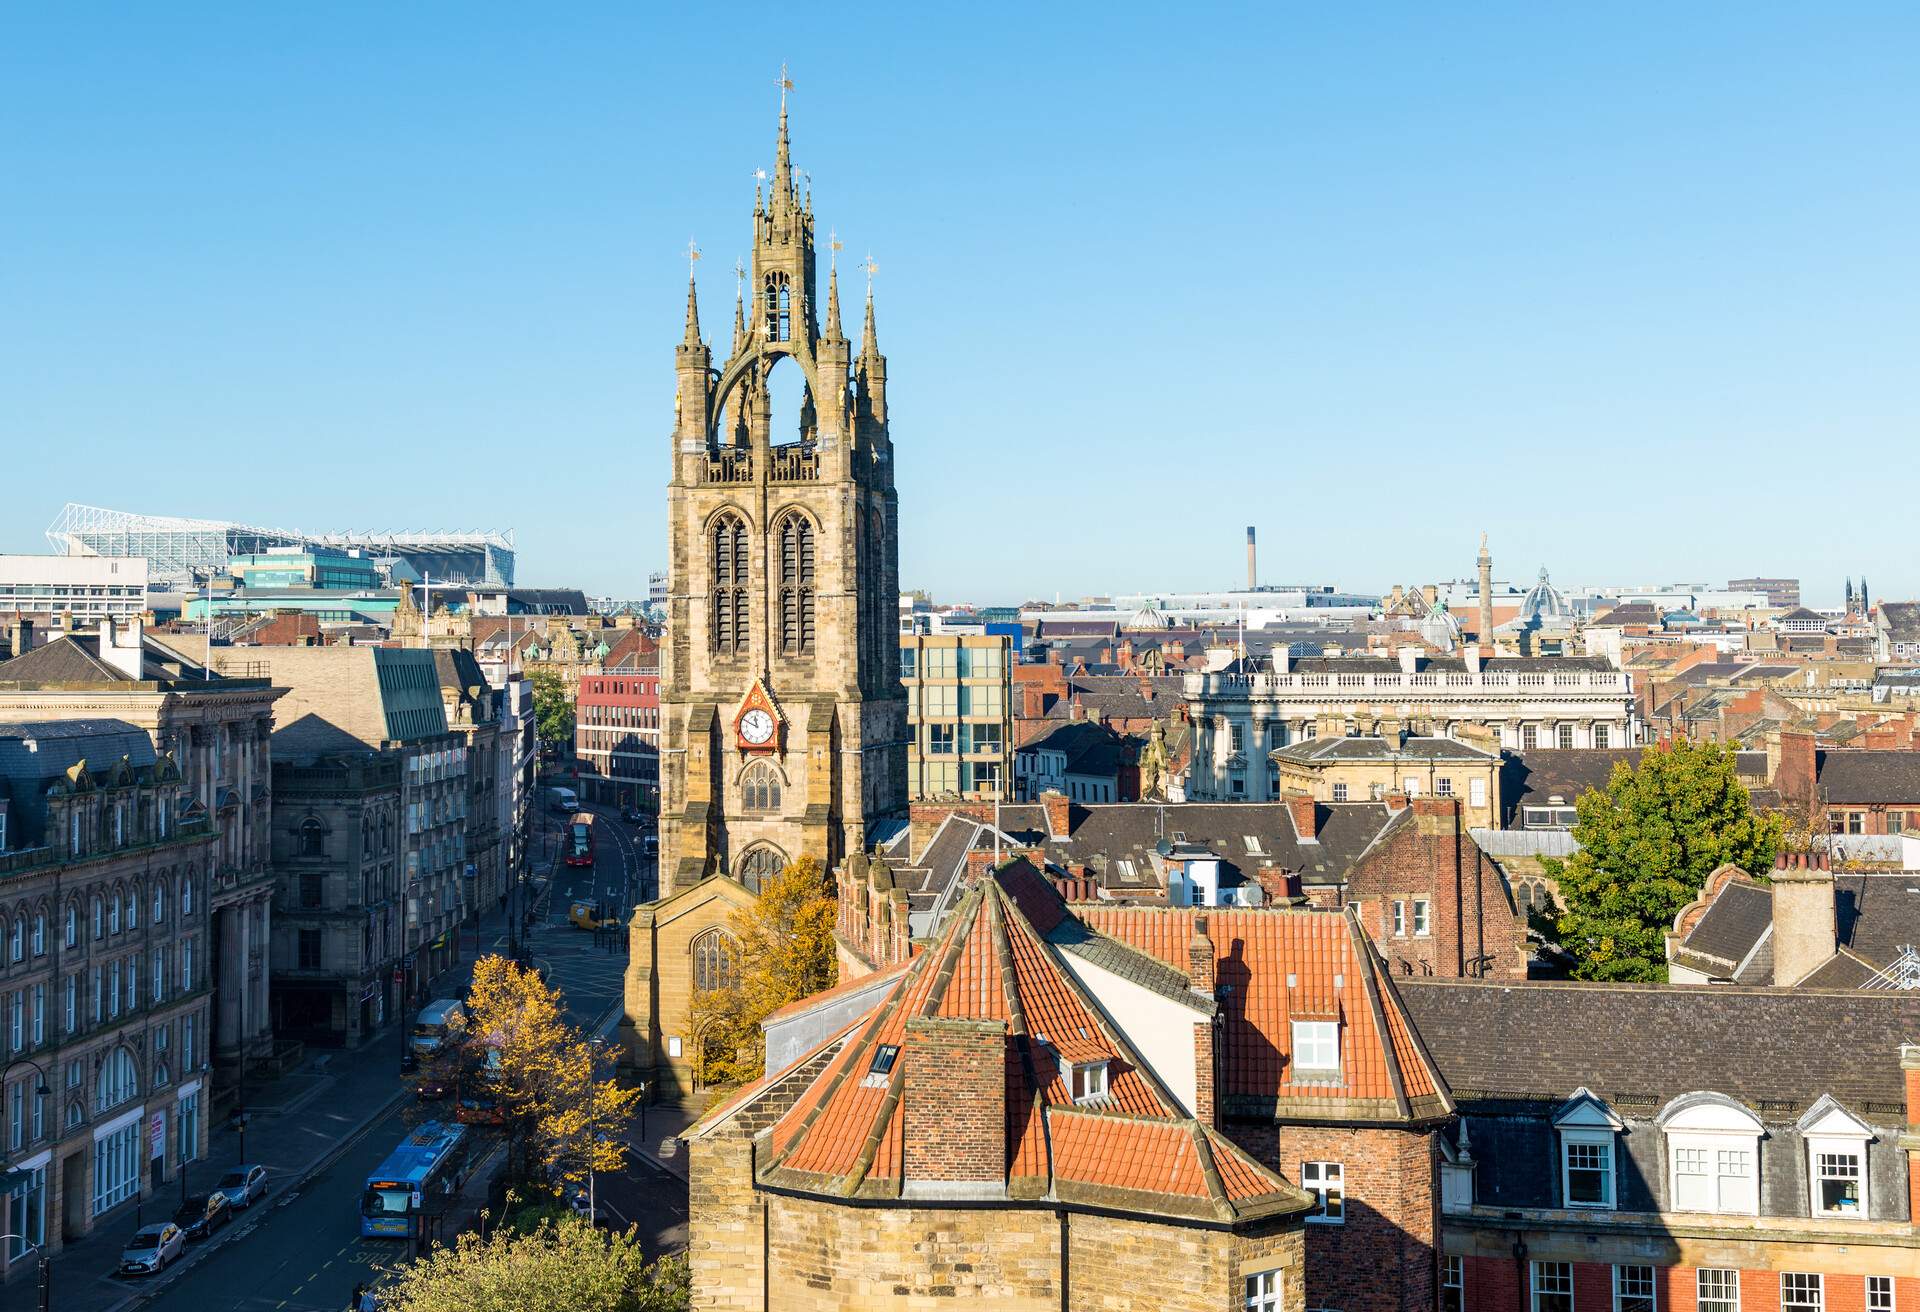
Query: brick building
(616, 736)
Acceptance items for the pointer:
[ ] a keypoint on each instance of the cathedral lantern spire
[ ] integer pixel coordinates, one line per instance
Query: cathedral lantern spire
(693, 301)
(783, 159)
(833, 287)
(739, 306)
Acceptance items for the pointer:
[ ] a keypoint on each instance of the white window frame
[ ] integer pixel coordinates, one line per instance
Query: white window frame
(1704, 1129)
(1880, 1295)
(1585, 1138)
(1399, 918)
(1812, 1287)
(1561, 1283)
(1318, 1038)
(1266, 1291)
(1476, 792)
(1453, 1279)
(1830, 1130)
(1635, 1288)
(1724, 1296)
(1327, 1182)
(1422, 917)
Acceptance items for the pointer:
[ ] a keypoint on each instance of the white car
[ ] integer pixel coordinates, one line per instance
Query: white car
(244, 1185)
(151, 1248)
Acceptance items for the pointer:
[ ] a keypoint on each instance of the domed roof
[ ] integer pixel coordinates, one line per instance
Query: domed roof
(1543, 601)
(1438, 628)
(1149, 616)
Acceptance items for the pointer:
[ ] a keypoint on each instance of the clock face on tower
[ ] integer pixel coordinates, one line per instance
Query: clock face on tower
(756, 727)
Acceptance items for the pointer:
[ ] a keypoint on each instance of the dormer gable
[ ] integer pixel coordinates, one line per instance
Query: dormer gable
(1827, 1118)
(1707, 1112)
(1586, 1110)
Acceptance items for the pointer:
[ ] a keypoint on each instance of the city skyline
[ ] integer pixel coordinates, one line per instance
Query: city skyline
(339, 271)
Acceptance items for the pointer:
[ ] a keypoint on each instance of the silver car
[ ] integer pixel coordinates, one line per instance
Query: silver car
(244, 1185)
(151, 1248)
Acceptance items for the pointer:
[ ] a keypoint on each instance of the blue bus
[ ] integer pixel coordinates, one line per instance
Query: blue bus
(432, 1159)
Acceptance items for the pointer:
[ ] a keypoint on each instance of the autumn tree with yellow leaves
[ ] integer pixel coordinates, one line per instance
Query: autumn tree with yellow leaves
(781, 951)
(556, 1094)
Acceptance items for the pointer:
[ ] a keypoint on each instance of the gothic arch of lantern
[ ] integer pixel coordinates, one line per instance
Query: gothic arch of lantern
(742, 369)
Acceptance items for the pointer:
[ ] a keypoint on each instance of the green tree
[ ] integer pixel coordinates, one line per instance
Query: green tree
(559, 1266)
(782, 952)
(1647, 844)
(552, 708)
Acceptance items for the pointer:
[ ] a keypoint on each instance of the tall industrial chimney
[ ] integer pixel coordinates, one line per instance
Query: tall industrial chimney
(1253, 573)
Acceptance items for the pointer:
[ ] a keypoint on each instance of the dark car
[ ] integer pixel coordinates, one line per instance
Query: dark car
(633, 815)
(202, 1214)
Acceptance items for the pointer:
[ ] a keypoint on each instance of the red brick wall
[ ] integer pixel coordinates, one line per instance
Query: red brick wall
(1495, 1284)
(955, 1099)
(1434, 857)
(1381, 1258)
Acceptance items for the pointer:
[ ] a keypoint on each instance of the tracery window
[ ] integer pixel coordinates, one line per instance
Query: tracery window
(796, 584)
(713, 960)
(779, 308)
(758, 866)
(760, 787)
(728, 544)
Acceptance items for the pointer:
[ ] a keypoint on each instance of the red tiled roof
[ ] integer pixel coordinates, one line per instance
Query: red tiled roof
(1277, 965)
(844, 1134)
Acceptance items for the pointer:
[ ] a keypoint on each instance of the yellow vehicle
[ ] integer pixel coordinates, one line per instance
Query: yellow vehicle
(589, 915)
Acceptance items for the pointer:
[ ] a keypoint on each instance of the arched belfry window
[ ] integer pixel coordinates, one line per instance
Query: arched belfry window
(796, 584)
(779, 308)
(728, 540)
(758, 866)
(713, 960)
(760, 787)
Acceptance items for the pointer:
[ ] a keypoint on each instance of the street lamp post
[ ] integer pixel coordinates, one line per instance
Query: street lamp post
(46, 1270)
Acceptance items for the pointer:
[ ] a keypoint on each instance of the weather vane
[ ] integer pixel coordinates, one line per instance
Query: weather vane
(872, 269)
(759, 175)
(786, 85)
(739, 278)
(833, 248)
(693, 256)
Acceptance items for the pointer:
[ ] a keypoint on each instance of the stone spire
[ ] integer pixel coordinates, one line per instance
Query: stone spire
(693, 315)
(782, 186)
(869, 340)
(833, 304)
(739, 320)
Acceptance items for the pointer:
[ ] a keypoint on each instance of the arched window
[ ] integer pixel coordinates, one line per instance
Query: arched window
(160, 901)
(73, 924)
(99, 917)
(119, 1080)
(39, 933)
(758, 866)
(313, 839)
(113, 913)
(186, 893)
(729, 567)
(714, 961)
(132, 915)
(760, 787)
(779, 308)
(796, 584)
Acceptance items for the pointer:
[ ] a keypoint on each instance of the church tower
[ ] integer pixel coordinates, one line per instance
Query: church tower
(783, 720)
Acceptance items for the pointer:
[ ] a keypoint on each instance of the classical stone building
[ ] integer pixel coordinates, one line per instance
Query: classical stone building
(782, 713)
(216, 726)
(106, 966)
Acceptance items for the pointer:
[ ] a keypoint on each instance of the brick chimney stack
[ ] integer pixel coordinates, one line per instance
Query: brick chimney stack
(1306, 815)
(1803, 920)
(1058, 809)
(1201, 978)
(21, 639)
(955, 1100)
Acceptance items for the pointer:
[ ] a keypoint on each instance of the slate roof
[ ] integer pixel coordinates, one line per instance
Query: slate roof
(1901, 620)
(1091, 749)
(1278, 964)
(37, 753)
(1103, 835)
(1647, 1044)
(1876, 919)
(1863, 775)
(1533, 777)
(1375, 748)
(75, 658)
(1728, 930)
(1136, 1151)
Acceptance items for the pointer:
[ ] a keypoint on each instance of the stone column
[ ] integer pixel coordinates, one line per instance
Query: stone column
(259, 1016)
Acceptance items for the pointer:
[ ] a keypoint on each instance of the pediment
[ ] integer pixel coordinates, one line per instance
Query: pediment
(1586, 1110)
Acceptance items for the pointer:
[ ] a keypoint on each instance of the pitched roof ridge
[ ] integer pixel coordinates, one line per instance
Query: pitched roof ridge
(745, 1096)
(1123, 1047)
(1147, 958)
(1003, 956)
(1391, 992)
(1367, 959)
(1210, 1171)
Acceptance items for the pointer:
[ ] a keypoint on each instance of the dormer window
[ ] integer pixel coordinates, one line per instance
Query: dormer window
(1836, 1142)
(1713, 1155)
(1316, 1048)
(1087, 1080)
(1587, 1130)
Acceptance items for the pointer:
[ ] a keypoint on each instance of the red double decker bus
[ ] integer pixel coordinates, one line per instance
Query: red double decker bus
(580, 841)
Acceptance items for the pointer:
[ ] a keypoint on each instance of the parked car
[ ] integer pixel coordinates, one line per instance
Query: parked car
(244, 1186)
(202, 1214)
(589, 915)
(151, 1249)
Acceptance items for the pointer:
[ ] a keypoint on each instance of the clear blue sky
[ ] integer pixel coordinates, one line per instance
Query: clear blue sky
(1632, 287)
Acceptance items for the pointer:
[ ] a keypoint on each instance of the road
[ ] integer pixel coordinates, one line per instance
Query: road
(305, 1254)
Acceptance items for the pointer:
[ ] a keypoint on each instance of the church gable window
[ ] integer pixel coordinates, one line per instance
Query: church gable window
(758, 866)
(796, 584)
(728, 568)
(714, 960)
(760, 787)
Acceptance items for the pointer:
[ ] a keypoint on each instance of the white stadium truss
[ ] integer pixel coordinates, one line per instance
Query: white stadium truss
(181, 551)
